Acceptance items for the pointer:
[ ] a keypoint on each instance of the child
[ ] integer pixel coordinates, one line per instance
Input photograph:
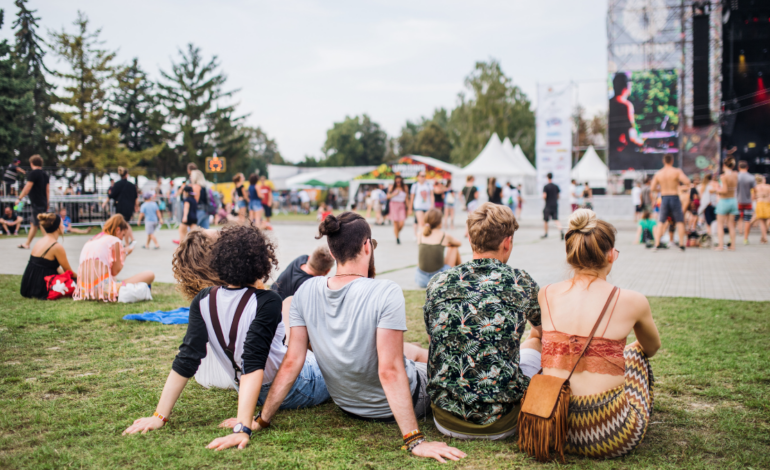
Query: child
(153, 217)
(189, 212)
(644, 233)
(324, 211)
(67, 223)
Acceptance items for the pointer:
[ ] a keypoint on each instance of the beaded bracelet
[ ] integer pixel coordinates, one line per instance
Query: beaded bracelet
(411, 434)
(414, 444)
(160, 417)
(411, 438)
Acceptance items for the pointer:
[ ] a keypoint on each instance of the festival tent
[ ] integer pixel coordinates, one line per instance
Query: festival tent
(327, 177)
(495, 162)
(591, 169)
(530, 174)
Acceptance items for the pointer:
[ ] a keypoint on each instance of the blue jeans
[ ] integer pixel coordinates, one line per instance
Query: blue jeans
(308, 390)
(255, 205)
(203, 218)
(422, 278)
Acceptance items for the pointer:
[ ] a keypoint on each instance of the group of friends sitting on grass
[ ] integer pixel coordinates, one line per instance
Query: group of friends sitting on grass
(342, 337)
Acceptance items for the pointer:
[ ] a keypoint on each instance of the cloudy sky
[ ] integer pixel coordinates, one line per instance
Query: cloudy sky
(303, 64)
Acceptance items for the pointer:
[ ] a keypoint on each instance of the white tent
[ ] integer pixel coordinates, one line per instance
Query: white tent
(592, 169)
(505, 165)
(339, 176)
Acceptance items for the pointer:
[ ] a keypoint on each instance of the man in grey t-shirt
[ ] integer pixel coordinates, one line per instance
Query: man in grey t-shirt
(356, 326)
(743, 194)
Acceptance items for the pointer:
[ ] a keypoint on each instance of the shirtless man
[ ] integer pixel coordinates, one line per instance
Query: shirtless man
(762, 214)
(727, 207)
(668, 179)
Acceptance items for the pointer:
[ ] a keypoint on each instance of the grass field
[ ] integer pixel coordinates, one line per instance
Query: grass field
(73, 376)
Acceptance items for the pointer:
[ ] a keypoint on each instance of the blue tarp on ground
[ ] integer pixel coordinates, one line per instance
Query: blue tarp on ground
(180, 316)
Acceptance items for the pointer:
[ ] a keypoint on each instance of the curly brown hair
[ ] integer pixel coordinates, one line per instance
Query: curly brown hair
(191, 264)
(243, 255)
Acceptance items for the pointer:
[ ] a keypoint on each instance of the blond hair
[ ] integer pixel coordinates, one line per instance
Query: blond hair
(113, 224)
(489, 225)
(197, 177)
(759, 179)
(432, 221)
(588, 241)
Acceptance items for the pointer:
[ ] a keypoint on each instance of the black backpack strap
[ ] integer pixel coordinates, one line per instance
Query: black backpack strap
(229, 348)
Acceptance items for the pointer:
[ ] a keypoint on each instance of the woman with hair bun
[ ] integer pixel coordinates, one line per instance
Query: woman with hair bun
(612, 384)
(437, 250)
(102, 259)
(47, 258)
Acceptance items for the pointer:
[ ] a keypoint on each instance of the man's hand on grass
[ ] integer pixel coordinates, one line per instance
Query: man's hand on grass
(231, 422)
(438, 450)
(240, 439)
(144, 425)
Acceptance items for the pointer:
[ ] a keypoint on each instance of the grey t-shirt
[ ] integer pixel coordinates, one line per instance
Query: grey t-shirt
(342, 327)
(746, 183)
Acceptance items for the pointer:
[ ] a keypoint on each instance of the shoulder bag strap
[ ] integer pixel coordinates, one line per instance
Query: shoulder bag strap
(593, 331)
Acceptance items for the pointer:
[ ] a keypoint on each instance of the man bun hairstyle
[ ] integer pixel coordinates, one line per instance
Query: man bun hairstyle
(432, 221)
(489, 225)
(321, 260)
(242, 255)
(122, 171)
(588, 241)
(115, 223)
(345, 234)
(36, 160)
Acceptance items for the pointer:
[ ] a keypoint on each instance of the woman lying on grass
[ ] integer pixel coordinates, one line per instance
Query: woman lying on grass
(247, 320)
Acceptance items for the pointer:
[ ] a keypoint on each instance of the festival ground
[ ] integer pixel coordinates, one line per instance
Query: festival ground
(699, 272)
(74, 375)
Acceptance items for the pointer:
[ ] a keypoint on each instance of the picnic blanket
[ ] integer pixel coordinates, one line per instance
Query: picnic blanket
(179, 316)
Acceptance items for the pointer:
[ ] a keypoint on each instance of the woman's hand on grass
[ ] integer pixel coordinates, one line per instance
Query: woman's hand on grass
(438, 450)
(144, 425)
(240, 439)
(231, 422)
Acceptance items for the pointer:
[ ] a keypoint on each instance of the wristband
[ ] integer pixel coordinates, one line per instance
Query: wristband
(160, 417)
(262, 423)
(411, 434)
(414, 444)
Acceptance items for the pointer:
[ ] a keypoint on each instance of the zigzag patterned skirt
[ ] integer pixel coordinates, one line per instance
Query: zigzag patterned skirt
(613, 423)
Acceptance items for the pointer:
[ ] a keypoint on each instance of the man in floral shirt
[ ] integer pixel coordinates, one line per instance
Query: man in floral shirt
(475, 315)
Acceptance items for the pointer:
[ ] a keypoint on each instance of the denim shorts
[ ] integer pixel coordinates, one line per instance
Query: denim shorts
(308, 390)
(242, 203)
(255, 205)
(203, 218)
(422, 278)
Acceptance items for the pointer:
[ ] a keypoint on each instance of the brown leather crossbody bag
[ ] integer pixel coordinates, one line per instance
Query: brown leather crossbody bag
(545, 406)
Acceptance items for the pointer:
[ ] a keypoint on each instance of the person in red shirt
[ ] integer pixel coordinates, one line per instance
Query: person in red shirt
(265, 191)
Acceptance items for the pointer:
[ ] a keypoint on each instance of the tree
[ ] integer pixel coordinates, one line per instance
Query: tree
(132, 104)
(90, 141)
(354, 141)
(494, 105)
(429, 137)
(15, 100)
(39, 124)
(262, 151)
(193, 93)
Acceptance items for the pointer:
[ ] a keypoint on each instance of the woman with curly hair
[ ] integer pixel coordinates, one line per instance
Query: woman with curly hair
(243, 326)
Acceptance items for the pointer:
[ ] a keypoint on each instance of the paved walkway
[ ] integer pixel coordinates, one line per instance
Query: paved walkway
(740, 275)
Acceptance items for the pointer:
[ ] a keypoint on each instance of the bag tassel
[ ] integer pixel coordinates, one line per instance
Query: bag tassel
(533, 427)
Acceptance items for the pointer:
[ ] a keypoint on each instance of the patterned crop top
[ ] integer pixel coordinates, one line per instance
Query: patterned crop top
(603, 356)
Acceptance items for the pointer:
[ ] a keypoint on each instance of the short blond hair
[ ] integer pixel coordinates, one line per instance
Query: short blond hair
(489, 225)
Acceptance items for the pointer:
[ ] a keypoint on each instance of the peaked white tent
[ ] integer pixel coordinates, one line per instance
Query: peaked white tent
(505, 165)
(592, 169)
(518, 157)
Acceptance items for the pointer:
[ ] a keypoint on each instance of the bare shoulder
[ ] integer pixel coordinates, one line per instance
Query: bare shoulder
(633, 302)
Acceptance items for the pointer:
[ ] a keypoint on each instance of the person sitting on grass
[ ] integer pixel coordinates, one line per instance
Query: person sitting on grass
(646, 231)
(102, 259)
(356, 325)
(241, 257)
(46, 259)
(432, 243)
(475, 315)
(67, 223)
(152, 219)
(304, 267)
(612, 384)
(10, 222)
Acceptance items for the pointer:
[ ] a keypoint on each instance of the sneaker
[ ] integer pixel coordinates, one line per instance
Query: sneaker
(682, 249)
(398, 241)
(544, 236)
(562, 235)
(745, 242)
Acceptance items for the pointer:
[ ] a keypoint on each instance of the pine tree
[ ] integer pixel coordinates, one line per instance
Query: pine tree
(132, 104)
(15, 103)
(38, 125)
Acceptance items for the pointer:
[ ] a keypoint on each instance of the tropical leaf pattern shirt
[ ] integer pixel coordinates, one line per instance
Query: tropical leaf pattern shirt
(475, 315)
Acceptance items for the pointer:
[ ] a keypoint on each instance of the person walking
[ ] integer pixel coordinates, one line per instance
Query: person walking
(573, 195)
(421, 200)
(727, 207)
(666, 182)
(468, 191)
(153, 218)
(240, 198)
(521, 202)
(265, 189)
(762, 214)
(494, 192)
(255, 203)
(125, 195)
(647, 194)
(189, 212)
(708, 202)
(745, 197)
(37, 187)
(201, 194)
(551, 210)
(397, 195)
(11, 175)
(450, 200)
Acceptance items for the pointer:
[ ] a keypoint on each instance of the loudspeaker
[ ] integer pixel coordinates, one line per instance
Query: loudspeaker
(700, 70)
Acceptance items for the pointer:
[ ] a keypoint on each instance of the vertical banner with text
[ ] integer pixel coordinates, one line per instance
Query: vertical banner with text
(553, 146)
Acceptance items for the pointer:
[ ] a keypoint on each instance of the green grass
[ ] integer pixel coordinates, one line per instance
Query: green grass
(73, 376)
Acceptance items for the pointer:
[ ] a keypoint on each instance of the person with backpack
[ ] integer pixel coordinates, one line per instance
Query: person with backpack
(243, 325)
(646, 232)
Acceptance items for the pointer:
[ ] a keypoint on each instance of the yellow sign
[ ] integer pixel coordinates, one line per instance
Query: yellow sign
(215, 164)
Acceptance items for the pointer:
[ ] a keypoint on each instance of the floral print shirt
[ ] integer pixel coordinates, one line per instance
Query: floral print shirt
(475, 315)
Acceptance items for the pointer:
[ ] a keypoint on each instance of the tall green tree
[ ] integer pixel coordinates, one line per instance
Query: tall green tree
(131, 106)
(355, 141)
(89, 141)
(39, 124)
(262, 151)
(193, 92)
(15, 101)
(493, 104)
(429, 138)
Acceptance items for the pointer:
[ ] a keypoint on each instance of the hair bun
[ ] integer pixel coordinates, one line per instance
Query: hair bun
(330, 225)
(583, 220)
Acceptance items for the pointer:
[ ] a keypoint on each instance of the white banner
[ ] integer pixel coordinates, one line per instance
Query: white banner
(553, 144)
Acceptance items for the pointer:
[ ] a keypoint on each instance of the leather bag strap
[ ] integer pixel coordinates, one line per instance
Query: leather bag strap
(593, 331)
